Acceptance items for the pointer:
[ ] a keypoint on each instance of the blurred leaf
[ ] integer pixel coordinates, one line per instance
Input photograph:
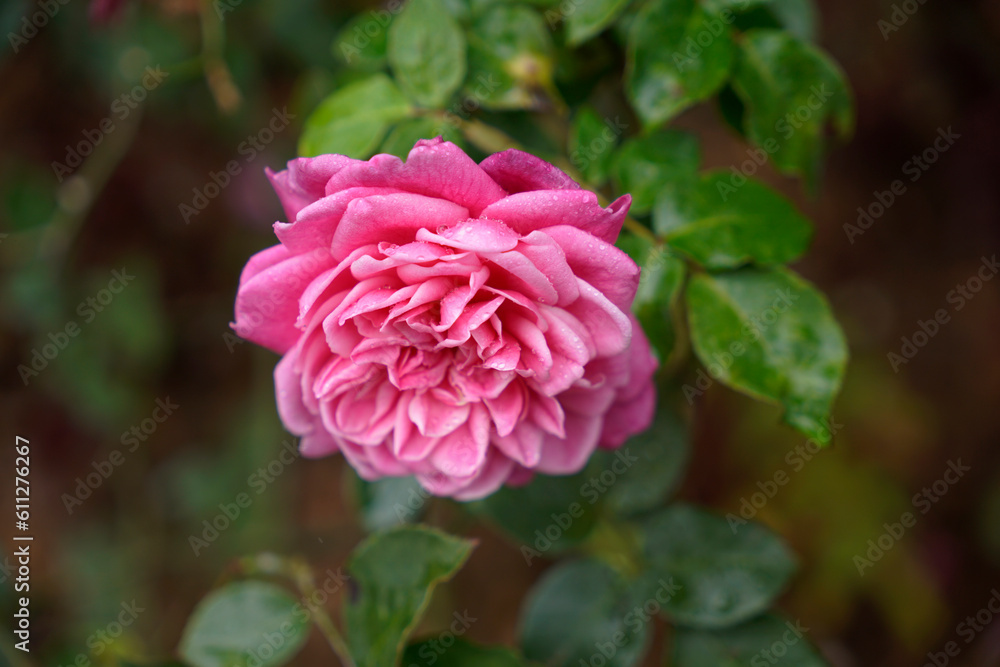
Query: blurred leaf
(722, 225)
(547, 515)
(791, 90)
(28, 198)
(582, 611)
(242, 623)
(393, 575)
(510, 58)
(647, 163)
(427, 52)
(771, 335)
(390, 501)
(798, 17)
(363, 42)
(725, 574)
(591, 149)
(353, 120)
(662, 451)
(589, 17)
(659, 289)
(458, 654)
(678, 54)
(763, 641)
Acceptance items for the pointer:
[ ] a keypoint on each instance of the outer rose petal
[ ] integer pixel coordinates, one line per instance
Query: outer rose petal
(305, 180)
(541, 209)
(517, 171)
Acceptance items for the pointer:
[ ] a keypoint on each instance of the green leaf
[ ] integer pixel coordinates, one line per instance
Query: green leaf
(244, 623)
(584, 611)
(394, 573)
(678, 54)
(725, 574)
(511, 59)
(353, 120)
(403, 137)
(766, 640)
(390, 501)
(798, 17)
(647, 163)
(722, 223)
(590, 17)
(791, 90)
(592, 141)
(770, 334)
(546, 516)
(427, 52)
(363, 42)
(459, 653)
(662, 451)
(659, 290)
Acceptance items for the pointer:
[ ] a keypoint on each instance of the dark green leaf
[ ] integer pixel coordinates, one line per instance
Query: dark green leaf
(770, 334)
(662, 451)
(791, 90)
(584, 611)
(546, 516)
(725, 222)
(679, 54)
(510, 58)
(659, 288)
(589, 17)
(725, 574)
(646, 163)
(353, 120)
(244, 623)
(427, 52)
(592, 141)
(796, 16)
(393, 575)
(766, 640)
(445, 652)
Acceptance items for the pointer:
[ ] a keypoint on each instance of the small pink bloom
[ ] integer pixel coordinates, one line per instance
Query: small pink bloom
(467, 324)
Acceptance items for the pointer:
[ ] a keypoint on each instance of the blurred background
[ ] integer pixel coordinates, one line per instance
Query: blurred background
(122, 235)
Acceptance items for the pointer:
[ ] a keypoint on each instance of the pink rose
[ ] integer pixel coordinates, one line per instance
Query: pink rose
(467, 324)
